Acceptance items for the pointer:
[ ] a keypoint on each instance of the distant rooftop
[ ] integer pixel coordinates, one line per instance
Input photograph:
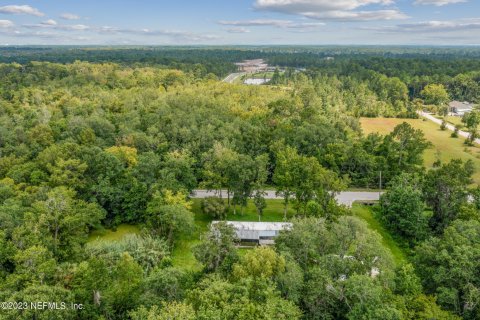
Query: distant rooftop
(262, 233)
(256, 81)
(461, 104)
(258, 226)
(255, 62)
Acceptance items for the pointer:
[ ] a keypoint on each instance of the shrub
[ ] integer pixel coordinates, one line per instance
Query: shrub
(443, 126)
(455, 132)
(214, 207)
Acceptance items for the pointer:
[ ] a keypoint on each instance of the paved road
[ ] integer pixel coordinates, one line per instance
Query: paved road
(449, 126)
(347, 198)
(233, 76)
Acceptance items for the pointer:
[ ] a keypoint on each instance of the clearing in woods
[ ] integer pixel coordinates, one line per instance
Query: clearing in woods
(444, 147)
(182, 254)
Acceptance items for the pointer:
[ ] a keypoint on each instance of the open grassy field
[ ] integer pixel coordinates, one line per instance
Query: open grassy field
(365, 213)
(444, 147)
(454, 120)
(261, 75)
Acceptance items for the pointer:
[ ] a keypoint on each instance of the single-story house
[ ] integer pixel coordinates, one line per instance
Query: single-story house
(262, 233)
(459, 108)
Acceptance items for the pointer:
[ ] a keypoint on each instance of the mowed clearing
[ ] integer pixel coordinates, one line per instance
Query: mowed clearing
(444, 147)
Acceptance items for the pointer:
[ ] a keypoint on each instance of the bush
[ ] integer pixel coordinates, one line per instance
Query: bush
(443, 126)
(455, 132)
(214, 207)
(146, 250)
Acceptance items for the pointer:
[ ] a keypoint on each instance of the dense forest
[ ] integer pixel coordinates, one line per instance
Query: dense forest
(92, 144)
(454, 67)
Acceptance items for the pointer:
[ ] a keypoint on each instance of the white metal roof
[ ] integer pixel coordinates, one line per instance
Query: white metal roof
(258, 226)
(256, 81)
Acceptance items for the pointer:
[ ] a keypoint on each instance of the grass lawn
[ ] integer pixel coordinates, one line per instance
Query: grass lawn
(366, 214)
(454, 120)
(110, 235)
(262, 75)
(239, 80)
(444, 147)
(182, 255)
(272, 213)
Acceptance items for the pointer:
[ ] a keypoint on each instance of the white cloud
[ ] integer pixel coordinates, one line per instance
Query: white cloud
(333, 10)
(438, 3)
(42, 36)
(270, 23)
(52, 24)
(69, 16)
(69, 34)
(441, 26)
(306, 25)
(76, 27)
(49, 22)
(296, 6)
(358, 15)
(433, 26)
(237, 30)
(36, 34)
(6, 24)
(174, 34)
(25, 9)
(444, 32)
(256, 23)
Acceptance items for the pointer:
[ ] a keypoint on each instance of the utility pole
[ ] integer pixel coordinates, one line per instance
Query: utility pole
(380, 183)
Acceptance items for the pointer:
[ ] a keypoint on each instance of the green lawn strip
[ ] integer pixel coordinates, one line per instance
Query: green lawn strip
(243, 251)
(239, 80)
(365, 213)
(454, 120)
(272, 213)
(262, 75)
(355, 189)
(182, 255)
(111, 235)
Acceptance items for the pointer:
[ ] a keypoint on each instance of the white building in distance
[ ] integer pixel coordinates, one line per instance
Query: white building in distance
(459, 108)
(256, 82)
(252, 66)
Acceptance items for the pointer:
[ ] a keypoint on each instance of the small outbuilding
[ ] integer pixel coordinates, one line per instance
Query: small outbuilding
(262, 233)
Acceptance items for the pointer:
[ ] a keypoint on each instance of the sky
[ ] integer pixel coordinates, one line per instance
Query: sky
(240, 22)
